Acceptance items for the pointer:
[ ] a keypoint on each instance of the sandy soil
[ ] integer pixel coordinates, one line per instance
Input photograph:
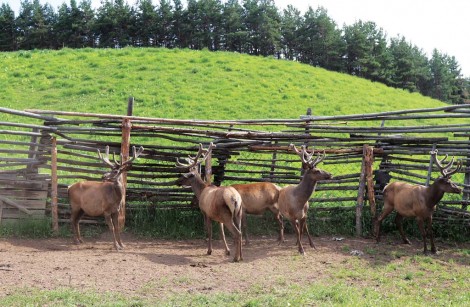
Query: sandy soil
(159, 268)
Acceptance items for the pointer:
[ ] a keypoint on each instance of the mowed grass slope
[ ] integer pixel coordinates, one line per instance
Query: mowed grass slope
(188, 84)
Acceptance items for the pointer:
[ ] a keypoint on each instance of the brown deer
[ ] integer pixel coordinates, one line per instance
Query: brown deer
(101, 198)
(293, 200)
(257, 198)
(411, 200)
(220, 204)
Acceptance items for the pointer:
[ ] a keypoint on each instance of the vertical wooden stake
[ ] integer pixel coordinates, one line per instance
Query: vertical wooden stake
(54, 209)
(307, 131)
(466, 182)
(273, 163)
(369, 161)
(360, 194)
(208, 169)
(428, 178)
(125, 144)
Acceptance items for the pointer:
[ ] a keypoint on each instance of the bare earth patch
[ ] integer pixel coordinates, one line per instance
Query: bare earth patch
(158, 268)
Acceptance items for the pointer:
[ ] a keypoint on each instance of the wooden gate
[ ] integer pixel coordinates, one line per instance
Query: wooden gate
(21, 197)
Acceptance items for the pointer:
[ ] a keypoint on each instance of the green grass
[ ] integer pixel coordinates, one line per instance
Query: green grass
(206, 85)
(26, 228)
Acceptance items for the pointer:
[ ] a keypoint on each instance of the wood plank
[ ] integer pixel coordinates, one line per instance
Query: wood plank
(25, 194)
(9, 202)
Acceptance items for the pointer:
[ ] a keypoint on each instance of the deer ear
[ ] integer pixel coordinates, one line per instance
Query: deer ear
(187, 175)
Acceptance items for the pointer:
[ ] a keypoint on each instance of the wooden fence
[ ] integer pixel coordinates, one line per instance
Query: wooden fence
(364, 152)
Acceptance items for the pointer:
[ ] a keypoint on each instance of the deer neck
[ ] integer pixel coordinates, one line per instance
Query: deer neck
(434, 195)
(305, 188)
(197, 185)
(119, 186)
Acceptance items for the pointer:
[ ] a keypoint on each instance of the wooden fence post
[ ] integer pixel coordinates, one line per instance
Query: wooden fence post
(360, 194)
(273, 163)
(307, 131)
(208, 169)
(125, 143)
(54, 209)
(369, 162)
(466, 182)
(33, 148)
(428, 178)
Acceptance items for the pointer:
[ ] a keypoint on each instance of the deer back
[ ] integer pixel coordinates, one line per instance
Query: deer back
(258, 196)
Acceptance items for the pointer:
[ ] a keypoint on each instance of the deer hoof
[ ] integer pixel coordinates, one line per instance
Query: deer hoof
(227, 252)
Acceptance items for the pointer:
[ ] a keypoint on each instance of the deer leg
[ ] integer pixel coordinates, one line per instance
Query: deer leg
(222, 232)
(278, 217)
(431, 234)
(244, 227)
(116, 230)
(423, 234)
(209, 234)
(399, 222)
(295, 224)
(238, 219)
(237, 240)
(308, 234)
(75, 220)
(281, 228)
(386, 211)
(110, 223)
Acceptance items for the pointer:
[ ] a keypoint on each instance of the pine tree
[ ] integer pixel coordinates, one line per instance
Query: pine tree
(7, 28)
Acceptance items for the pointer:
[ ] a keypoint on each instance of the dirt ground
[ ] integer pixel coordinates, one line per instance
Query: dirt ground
(158, 268)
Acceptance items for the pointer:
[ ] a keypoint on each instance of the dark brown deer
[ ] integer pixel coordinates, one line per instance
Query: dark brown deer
(257, 198)
(220, 204)
(411, 200)
(105, 198)
(293, 200)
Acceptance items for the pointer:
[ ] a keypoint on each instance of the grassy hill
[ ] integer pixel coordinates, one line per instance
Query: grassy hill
(188, 84)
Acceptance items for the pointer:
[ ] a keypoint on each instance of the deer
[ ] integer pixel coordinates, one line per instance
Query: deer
(293, 200)
(257, 198)
(418, 201)
(103, 198)
(220, 204)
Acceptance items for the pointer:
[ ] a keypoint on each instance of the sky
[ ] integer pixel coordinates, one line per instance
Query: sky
(428, 24)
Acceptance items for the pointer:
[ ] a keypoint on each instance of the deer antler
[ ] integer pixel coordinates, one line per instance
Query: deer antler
(318, 159)
(306, 157)
(194, 161)
(303, 153)
(116, 163)
(135, 155)
(445, 170)
(106, 159)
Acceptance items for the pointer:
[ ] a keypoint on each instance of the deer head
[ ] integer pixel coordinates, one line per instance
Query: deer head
(192, 164)
(118, 167)
(444, 182)
(309, 164)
